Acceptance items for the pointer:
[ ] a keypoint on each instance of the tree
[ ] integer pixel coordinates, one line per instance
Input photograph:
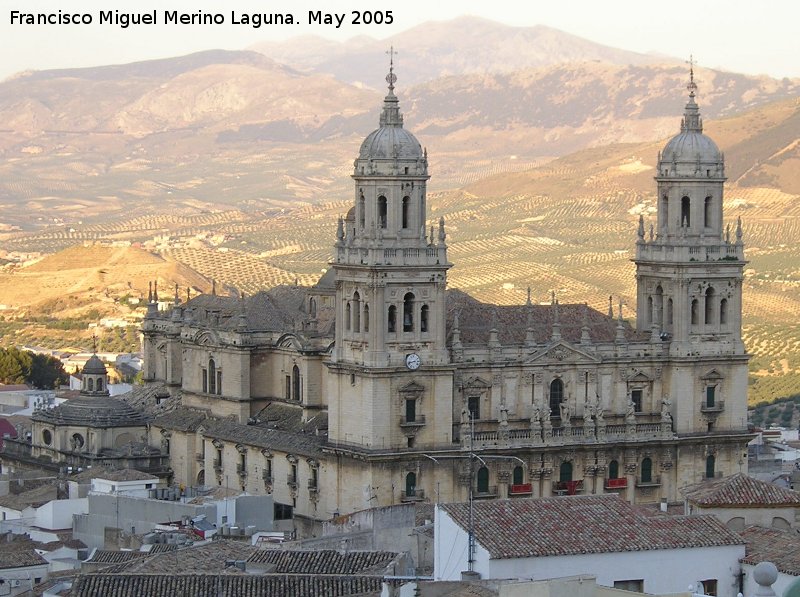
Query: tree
(10, 369)
(47, 372)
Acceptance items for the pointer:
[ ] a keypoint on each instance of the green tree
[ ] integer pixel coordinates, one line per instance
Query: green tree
(10, 369)
(47, 372)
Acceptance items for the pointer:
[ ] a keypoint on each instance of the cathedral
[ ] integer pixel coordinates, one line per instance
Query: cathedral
(379, 385)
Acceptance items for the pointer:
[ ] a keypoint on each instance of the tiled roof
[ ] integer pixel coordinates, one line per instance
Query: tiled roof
(125, 474)
(212, 585)
(782, 548)
(289, 417)
(740, 490)
(323, 561)
(477, 318)
(107, 556)
(521, 528)
(38, 496)
(306, 444)
(98, 412)
(209, 558)
(19, 556)
(182, 418)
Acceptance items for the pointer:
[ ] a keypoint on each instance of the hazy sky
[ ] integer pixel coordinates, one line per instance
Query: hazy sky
(738, 35)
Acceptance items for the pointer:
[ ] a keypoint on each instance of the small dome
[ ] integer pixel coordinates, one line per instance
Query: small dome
(92, 412)
(688, 146)
(94, 366)
(388, 142)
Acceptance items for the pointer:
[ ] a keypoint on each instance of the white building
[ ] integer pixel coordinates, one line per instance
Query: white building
(602, 536)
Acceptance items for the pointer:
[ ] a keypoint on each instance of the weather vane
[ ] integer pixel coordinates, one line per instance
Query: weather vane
(692, 86)
(391, 78)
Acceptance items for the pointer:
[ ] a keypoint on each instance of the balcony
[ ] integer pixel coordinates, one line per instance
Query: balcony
(619, 483)
(417, 495)
(651, 482)
(485, 493)
(417, 421)
(568, 487)
(291, 480)
(200, 457)
(521, 489)
(715, 407)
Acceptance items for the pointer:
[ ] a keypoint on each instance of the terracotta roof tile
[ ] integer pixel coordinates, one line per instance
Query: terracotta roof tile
(596, 524)
(782, 548)
(740, 490)
(208, 585)
(323, 561)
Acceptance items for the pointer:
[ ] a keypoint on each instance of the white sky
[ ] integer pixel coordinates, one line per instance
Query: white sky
(739, 35)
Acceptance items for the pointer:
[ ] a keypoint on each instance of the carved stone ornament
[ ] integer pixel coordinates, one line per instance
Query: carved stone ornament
(291, 458)
(557, 354)
(241, 449)
(266, 452)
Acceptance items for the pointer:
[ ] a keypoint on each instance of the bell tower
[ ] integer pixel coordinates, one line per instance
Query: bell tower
(390, 362)
(689, 268)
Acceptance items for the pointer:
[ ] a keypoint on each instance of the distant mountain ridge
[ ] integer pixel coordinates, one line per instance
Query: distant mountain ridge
(446, 48)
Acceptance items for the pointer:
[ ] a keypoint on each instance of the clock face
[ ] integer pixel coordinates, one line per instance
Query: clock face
(413, 361)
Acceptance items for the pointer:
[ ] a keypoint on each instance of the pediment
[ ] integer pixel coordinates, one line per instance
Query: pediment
(639, 376)
(289, 341)
(412, 388)
(561, 352)
(206, 338)
(477, 382)
(712, 375)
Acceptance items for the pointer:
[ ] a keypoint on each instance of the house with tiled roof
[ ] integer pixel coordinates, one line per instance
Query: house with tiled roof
(603, 536)
(21, 567)
(782, 548)
(740, 501)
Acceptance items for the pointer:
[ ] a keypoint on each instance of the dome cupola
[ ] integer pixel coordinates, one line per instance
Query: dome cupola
(691, 153)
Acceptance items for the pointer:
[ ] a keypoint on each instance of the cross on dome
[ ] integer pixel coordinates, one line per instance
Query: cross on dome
(391, 78)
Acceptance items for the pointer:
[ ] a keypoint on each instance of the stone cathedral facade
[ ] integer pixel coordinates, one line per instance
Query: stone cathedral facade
(379, 385)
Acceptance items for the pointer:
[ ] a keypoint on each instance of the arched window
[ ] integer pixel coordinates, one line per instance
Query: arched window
(556, 396)
(565, 471)
(658, 306)
(723, 311)
(362, 208)
(423, 318)
(613, 470)
(647, 471)
(669, 311)
(665, 211)
(694, 312)
(710, 466)
(392, 321)
(518, 478)
(296, 387)
(709, 305)
(212, 377)
(90, 384)
(707, 212)
(408, 312)
(312, 307)
(347, 317)
(411, 484)
(77, 441)
(366, 317)
(382, 211)
(356, 312)
(686, 212)
(406, 211)
(650, 315)
(483, 480)
(99, 384)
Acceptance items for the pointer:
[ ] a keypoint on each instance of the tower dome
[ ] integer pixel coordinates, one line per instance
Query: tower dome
(94, 366)
(691, 153)
(389, 144)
